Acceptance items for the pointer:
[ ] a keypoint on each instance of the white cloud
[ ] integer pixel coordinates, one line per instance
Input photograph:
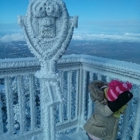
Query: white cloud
(12, 37)
(130, 37)
(132, 34)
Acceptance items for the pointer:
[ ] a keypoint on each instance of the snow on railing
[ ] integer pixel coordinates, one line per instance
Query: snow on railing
(19, 102)
(93, 68)
(20, 96)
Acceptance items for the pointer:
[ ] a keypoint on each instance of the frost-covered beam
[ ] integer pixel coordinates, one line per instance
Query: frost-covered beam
(90, 110)
(128, 68)
(76, 94)
(13, 67)
(1, 120)
(21, 101)
(18, 62)
(136, 128)
(125, 69)
(125, 123)
(120, 69)
(84, 104)
(69, 95)
(9, 106)
(32, 101)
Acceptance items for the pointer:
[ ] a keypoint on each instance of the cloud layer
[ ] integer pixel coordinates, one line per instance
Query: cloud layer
(129, 37)
(12, 37)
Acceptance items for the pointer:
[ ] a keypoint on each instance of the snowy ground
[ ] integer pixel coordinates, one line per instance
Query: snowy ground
(75, 136)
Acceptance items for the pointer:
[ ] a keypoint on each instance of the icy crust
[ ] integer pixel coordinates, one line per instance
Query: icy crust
(86, 62)
(48, 28)
(100, 60)
(129, 67)
(18, 62)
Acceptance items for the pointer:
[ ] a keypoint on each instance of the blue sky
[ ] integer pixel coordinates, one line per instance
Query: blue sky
(104, 18)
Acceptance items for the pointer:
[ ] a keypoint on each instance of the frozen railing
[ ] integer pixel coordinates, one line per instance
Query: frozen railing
(20, 92)
(19, 99)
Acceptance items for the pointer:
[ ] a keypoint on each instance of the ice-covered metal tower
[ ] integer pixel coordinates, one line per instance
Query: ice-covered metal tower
(48, 29)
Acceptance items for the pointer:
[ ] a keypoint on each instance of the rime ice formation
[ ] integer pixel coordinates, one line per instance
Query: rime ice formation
(20, 114)
(48, 29)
